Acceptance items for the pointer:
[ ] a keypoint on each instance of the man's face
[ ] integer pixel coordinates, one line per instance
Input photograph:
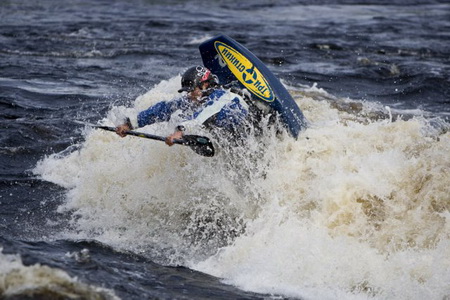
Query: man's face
(195, 95)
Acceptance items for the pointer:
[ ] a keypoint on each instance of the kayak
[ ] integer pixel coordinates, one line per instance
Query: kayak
(232, 62)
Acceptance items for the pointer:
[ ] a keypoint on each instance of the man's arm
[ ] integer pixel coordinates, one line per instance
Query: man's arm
(232, 114)
(159, 112)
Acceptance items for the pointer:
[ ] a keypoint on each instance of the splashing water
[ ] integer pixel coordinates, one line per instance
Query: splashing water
(18, 281)
(358, 206)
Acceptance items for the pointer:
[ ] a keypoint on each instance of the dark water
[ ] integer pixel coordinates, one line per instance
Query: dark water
(74, 60)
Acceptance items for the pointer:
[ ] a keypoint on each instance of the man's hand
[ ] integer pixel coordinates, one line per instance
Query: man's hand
(174, 136)
(122, 129)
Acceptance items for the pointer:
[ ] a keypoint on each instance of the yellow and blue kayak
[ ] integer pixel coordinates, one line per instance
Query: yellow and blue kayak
(232, 62)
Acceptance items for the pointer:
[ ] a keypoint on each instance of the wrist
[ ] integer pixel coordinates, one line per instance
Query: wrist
(180, 128)
(128, 123)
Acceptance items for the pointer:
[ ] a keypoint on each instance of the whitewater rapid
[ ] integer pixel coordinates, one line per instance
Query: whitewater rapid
(356, 208)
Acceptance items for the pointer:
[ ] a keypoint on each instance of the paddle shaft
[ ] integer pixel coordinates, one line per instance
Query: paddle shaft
(140, 134)
(200, 144)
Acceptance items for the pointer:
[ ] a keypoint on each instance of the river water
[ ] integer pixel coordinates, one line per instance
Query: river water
(358, 207)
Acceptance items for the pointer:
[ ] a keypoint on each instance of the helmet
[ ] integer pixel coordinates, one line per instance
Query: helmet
(195, 76)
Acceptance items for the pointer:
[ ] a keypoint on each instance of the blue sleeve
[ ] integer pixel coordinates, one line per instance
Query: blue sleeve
(159, 112)
(231, 114)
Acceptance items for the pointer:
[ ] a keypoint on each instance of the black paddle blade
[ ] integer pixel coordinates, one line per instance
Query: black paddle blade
(200, 144)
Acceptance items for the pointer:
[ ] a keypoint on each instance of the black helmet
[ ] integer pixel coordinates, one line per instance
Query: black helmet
(195, 76)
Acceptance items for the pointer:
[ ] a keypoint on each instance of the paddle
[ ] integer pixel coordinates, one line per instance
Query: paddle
(200, 144)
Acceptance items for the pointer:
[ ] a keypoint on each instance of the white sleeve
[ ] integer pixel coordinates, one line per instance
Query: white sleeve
(212, 109)
(133, 121)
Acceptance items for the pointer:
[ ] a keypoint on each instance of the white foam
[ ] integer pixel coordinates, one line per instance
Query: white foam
(355, 211)
(356, 208)
(18, 280)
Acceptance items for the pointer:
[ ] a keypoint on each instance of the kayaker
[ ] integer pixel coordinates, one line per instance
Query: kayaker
(203, 103)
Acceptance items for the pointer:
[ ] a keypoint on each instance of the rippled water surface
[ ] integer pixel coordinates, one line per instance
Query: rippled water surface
(356, 208)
